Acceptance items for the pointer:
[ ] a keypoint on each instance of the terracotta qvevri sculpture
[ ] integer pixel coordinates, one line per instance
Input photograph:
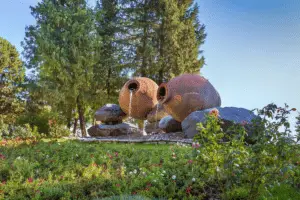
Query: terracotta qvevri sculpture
(143, 98)
(187, 93)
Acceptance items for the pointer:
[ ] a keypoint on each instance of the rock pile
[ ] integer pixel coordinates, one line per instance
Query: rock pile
(111, 117)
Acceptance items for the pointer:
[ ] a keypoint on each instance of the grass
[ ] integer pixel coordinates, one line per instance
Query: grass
(66, 169)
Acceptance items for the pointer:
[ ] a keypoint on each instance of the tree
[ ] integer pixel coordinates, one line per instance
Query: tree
(298, 128)
(11, 75)
(108, 27)
(165, 36)
(62, 47)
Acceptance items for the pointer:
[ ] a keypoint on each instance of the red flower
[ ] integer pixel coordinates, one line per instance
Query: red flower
(149, 184)
(188, 190)
(190, 161)
(30, 180)
(2, 157)
(116, 154)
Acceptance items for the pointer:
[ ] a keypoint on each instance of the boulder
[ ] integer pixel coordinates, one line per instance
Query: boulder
(169, 125)
(157, 113)
(152, 127)
(229, 116)
(104, 130)
(110, 114)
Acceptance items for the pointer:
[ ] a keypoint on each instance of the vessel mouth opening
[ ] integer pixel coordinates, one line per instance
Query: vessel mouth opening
(161, 93)
(133, 86)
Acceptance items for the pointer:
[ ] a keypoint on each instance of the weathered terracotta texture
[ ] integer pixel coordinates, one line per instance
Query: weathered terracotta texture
(157, 113)
(187, 93)
(143, 100)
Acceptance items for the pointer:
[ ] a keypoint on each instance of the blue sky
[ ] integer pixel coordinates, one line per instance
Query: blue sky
(252, 49)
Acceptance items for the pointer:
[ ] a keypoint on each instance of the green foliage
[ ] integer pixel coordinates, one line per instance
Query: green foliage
(58, 131)
(11, 75)
(298, 128)
(62, 47)
(239, 171)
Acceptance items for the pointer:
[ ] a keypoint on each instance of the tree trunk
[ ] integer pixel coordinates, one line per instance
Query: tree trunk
(75, 126)
(81, 117)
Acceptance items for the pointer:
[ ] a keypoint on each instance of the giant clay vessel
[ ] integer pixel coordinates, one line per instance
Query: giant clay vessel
(187, 93)
(143, 98)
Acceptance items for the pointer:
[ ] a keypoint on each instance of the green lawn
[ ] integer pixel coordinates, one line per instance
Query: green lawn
(66, 169)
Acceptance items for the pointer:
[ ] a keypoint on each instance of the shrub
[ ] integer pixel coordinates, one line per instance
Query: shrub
(232, 166)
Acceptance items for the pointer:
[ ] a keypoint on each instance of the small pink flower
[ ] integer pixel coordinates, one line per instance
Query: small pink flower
(118, 185)
(116, 154)
(30, 180)
(190, 161)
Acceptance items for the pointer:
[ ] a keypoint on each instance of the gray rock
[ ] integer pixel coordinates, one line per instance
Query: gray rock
(104, 130)
(157, 113)
(152, 127)
(228, 115)
(168, 124)
(110, 114)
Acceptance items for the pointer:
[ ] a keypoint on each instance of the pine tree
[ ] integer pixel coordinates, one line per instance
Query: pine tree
(62, 48)
(11, 75)
(298, 128)
(108, 28)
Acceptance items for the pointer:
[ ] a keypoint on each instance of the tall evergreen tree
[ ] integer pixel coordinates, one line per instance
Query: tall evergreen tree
(110, 66)
(61, 47)
(11, 75)
(166, 37)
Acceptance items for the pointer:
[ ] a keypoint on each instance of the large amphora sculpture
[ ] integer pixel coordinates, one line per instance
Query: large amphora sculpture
(187, 93)
(138, 97)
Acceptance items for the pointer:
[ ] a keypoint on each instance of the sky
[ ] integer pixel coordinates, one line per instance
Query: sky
(252, 49)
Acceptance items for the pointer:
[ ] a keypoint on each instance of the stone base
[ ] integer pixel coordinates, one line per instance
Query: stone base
(169, 125)
(104, 130)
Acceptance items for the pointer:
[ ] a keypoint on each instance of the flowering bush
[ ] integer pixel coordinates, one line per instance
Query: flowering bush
(235, 170)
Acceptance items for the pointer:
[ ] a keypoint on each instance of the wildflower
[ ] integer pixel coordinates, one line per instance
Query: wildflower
(198, 151)
(116, 154)
(164, 171)
(2, 157)
(188, 190)
(130, 173)
(76, 155)
(173, 177)
(154, 181)
(135, 171)
(30, 180)
(190, 161)
(118, 185)
(3, 182)
(162, 174)
(193, 179)
(218, 169)
(144, 173)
